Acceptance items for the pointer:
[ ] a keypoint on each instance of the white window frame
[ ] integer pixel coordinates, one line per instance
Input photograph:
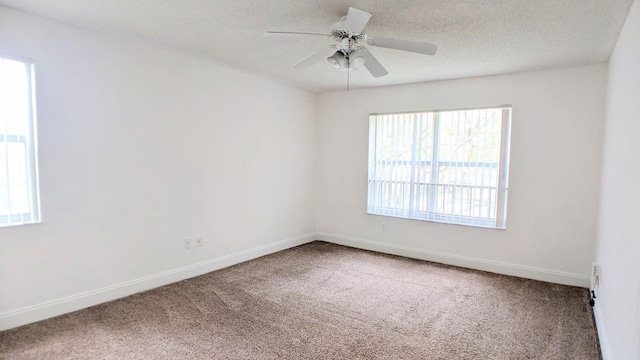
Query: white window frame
(31, 153)
(410, 212)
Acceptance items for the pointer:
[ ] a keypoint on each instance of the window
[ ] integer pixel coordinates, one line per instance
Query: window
(19, 203)
(446, 166)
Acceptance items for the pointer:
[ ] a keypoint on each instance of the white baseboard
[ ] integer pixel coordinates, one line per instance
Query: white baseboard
(83, 300)
(605, 349)
(528, 272)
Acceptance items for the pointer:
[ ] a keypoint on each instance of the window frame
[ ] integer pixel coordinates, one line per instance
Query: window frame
(501, 188)
(33, 216)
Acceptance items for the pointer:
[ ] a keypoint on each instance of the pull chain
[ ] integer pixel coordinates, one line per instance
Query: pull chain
(348, 71)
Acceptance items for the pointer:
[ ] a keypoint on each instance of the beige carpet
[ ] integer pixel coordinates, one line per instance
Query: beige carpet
(324, 301)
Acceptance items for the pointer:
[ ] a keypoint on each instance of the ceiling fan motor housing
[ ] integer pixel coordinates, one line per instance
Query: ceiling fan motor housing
(347, 45)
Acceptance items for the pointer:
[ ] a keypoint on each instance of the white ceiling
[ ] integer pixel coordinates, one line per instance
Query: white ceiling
(474, 37)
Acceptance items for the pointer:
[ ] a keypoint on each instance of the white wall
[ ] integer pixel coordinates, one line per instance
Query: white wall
(141, 147)
(618, 251)
(554, 179)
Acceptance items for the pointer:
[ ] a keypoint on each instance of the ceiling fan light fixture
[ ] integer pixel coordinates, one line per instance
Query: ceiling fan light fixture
(356, 60)
(338, 60)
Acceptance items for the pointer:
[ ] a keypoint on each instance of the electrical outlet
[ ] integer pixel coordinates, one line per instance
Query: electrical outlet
(383, 227)
(595, 269)
(199, 241)
(187, 244)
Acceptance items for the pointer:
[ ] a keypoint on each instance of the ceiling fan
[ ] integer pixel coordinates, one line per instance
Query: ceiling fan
(347, 53)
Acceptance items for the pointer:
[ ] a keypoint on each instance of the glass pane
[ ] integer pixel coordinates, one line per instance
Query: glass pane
(4, 184)
(14, 97)
(469, 155)
(14, 184)
(18, 182)
(402, 164)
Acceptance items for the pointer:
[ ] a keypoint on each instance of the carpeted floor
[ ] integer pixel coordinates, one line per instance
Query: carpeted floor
(324, 301)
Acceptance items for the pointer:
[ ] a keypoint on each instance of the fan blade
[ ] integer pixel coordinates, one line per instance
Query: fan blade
(323, 53)
(293, 34)
(356, 20)
(372, 64)
(405, 45)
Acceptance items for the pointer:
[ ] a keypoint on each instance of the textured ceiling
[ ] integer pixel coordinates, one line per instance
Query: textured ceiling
(474, 37)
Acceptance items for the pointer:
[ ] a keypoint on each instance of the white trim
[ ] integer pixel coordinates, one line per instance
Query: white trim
(503, 169)
(17, 58)
(605, 349)
(443, 109)
(553, 276)
(83, 300)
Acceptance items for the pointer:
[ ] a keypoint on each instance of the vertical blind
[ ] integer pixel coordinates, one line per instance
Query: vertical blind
(19, 202)
(446, 166)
